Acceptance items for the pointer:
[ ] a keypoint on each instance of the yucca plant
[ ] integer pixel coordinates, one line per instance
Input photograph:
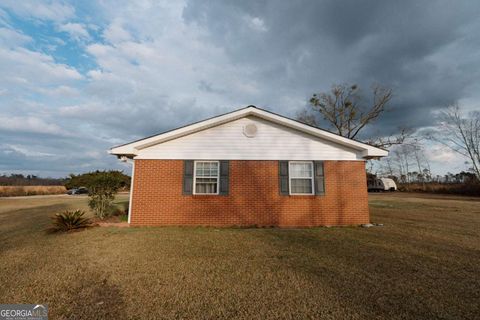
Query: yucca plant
(69, 220)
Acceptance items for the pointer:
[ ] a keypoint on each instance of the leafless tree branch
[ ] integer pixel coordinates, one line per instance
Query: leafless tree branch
(344, 109)
(461, 134)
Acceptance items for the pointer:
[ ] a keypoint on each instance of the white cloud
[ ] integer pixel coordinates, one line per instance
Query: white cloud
(4, 19)
(33, 68)
(28, 152)
(61, 91)
(115, 32)
(442, 154)
(42, 10)
(77, 31)
(256, 23)
(29, 124)
(12, 38)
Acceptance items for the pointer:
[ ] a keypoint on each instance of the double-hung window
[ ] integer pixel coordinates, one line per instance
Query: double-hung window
(206, 177)
(301, 177)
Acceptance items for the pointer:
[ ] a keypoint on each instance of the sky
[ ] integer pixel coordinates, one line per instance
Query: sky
(77, 78)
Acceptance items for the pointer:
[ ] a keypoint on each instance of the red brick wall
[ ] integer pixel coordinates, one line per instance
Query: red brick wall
(254, 197)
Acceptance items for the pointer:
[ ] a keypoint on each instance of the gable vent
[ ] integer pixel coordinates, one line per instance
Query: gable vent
(250, 130)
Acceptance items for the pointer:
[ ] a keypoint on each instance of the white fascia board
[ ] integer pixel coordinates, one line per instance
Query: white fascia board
(132, 149)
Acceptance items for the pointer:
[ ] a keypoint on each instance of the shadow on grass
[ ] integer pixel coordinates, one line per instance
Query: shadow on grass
(376, 281)
(89, 296)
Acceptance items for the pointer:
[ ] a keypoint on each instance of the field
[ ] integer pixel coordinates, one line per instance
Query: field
(14, 191)
(424, 263)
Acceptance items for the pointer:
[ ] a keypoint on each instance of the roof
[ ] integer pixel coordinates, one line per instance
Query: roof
(131, 149)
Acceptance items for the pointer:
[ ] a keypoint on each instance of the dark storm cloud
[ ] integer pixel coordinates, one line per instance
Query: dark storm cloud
(413, 47)
(154, 66)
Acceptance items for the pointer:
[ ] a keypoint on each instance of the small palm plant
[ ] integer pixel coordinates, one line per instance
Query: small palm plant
(68, 221)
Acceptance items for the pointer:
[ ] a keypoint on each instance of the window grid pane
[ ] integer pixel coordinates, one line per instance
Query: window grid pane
(301, 177)
(301, 186)
(301, 170)
(206, 177)
(206, 169)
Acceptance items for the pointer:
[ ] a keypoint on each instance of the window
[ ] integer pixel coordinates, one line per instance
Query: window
(206, 176)
(301, 177)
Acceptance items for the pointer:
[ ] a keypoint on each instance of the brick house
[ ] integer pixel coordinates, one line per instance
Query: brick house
(249, 167)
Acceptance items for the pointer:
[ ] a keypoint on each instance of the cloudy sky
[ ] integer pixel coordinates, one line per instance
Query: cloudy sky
(77, 78)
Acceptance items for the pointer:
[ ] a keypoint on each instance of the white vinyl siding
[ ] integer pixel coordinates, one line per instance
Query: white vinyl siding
(301, 177)
(206, 176)
(228, 142)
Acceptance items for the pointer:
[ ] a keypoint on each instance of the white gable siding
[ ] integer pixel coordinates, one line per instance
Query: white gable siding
(227, 142)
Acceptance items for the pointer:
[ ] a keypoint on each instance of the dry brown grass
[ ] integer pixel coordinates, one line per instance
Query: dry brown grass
(13, 191)
(423, 264)
(466, 189)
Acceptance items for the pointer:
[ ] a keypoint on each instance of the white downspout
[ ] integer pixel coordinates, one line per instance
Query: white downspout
(130, 200)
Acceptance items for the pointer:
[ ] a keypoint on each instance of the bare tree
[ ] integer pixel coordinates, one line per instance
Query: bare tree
(417, 151)
(407, 162)
(461, 134)
(404, 153)
(388, 166)
(347, 113)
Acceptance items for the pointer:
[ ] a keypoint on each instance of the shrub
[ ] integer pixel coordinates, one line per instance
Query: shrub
(69, 220)
(86, 179)
(101, 190)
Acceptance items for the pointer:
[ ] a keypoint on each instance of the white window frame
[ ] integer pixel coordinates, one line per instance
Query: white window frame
(195, 177)
(290, 177)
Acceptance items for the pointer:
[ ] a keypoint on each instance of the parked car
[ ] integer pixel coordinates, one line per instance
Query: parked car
(381, 184)
(81, 190)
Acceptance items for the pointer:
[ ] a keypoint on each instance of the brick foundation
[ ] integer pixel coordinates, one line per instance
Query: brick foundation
(253, 199)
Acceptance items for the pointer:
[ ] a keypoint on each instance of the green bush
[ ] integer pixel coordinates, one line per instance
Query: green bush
(68, 221)
(86, 179)
(102, 188)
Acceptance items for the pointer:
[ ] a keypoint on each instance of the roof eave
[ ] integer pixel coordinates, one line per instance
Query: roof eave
(375, 153)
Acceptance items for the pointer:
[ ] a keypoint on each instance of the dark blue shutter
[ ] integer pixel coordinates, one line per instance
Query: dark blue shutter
(224, 180)
(283, 177)
(319, 178)
(188, 177)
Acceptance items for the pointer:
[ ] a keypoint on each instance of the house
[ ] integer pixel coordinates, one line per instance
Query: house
(249, 167)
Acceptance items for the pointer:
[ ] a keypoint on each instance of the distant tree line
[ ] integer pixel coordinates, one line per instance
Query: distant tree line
(29, 180)
(408, 163)
(72, 181)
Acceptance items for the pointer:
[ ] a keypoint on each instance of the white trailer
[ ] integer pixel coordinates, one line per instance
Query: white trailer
(381, 184)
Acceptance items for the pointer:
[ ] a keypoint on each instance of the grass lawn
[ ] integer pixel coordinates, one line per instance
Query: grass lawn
(424, 263)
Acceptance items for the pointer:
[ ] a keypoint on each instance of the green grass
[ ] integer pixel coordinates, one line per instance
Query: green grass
(423, 264)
